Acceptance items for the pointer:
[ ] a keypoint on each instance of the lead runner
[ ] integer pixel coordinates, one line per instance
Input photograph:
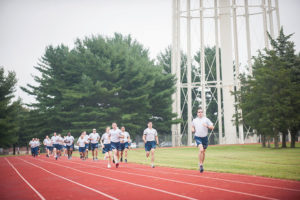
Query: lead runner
(200, 126)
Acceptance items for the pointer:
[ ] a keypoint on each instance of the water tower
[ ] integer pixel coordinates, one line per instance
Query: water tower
(236, 29)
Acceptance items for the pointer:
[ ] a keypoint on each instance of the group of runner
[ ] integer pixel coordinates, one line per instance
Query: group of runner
(115, 142)
(35, 146)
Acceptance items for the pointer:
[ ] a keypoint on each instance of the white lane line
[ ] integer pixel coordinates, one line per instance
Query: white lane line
(97, 191)
(221, 179)
(171, 180)
(39, 194)
(114, 179)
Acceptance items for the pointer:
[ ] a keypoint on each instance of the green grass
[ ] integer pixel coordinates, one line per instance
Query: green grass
(241, 159)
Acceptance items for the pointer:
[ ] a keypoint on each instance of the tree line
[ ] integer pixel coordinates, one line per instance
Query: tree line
(103, 80)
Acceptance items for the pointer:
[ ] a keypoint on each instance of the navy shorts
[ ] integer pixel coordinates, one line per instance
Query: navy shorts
(50, 148)
(94, 146)
(150, 145)
(81, 149)
(107, 148)
(70, 147)
(86, 146)
(202, 140)
(57, 146)
(116, 145)
(36, 150)
(124, 145)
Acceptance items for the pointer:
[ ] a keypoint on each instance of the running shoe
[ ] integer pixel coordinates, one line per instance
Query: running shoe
(125, 160)
(152, 165)
(121, 159)
(117, 165)
(201, 169)
(56, 158)
(108, 166)
(113, 160)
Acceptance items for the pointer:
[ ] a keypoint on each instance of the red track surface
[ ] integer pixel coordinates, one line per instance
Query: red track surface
(46, 178)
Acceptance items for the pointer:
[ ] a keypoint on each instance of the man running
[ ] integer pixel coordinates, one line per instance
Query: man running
(32, 145)
(48, 144)
(94, 138)
(149, 137)
(54, 140)
(81, 143)
(200, 126)
(106, 146)
(115, 135)
(124, 142)
(69, 140)
(86, 137)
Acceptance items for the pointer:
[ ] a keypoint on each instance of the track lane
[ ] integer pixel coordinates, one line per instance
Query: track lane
(271, 192)
(121, 189)
(52, 186)
(196, 190)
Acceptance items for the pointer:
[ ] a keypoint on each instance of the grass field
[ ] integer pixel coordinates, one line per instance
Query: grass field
(242, 159)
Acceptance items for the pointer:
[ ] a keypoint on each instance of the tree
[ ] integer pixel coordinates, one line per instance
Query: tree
(99, 81)
(8, 109)
(267, 97)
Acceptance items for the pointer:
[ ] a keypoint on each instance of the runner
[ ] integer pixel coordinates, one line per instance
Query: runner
(115, 135)
(200, 126)
(69, 140)
(106, 146)
(149, 137)
(124, 143)
(82, 145)
(94, 139)
(64, 146)
(32, 145)
(48, 144)
(38, 146)
(86, 137)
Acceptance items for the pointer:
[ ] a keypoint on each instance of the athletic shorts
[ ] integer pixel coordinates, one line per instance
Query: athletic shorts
(86, 146)
(94, 146)
(64, 146)
(150, 145)
(115, 145)
(202, 140)
(124, 145)
(81, 149)
(35, 150)
(50, 148)
(70, 147)
(107, 148)
(56, 146)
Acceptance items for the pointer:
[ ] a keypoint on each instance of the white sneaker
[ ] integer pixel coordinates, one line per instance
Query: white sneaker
(108, 166)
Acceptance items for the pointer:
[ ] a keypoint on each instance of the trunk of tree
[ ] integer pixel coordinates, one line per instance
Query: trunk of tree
(293, 138)
(276, 141)
(14, 149)
(263, 141)
(284, 134)
(27, 148)
(269, 145)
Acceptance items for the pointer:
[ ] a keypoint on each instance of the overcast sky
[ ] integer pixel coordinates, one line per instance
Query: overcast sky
(28, 26)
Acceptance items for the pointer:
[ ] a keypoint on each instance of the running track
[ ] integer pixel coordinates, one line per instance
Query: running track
(24, 177)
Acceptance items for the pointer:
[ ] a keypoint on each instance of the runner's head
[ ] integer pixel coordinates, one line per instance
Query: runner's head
(200, 112)
(123, 128)
(94, 130)
(47, 137)
(54, 133)
(107, 129)
(149, 124)
(69, 134)
(114, 125)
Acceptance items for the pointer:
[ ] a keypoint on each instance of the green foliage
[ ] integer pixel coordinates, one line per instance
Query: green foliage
(100, 81)
(270, 98)
(8, 109)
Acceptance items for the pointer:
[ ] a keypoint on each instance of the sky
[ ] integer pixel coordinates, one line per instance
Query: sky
(27, 27)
